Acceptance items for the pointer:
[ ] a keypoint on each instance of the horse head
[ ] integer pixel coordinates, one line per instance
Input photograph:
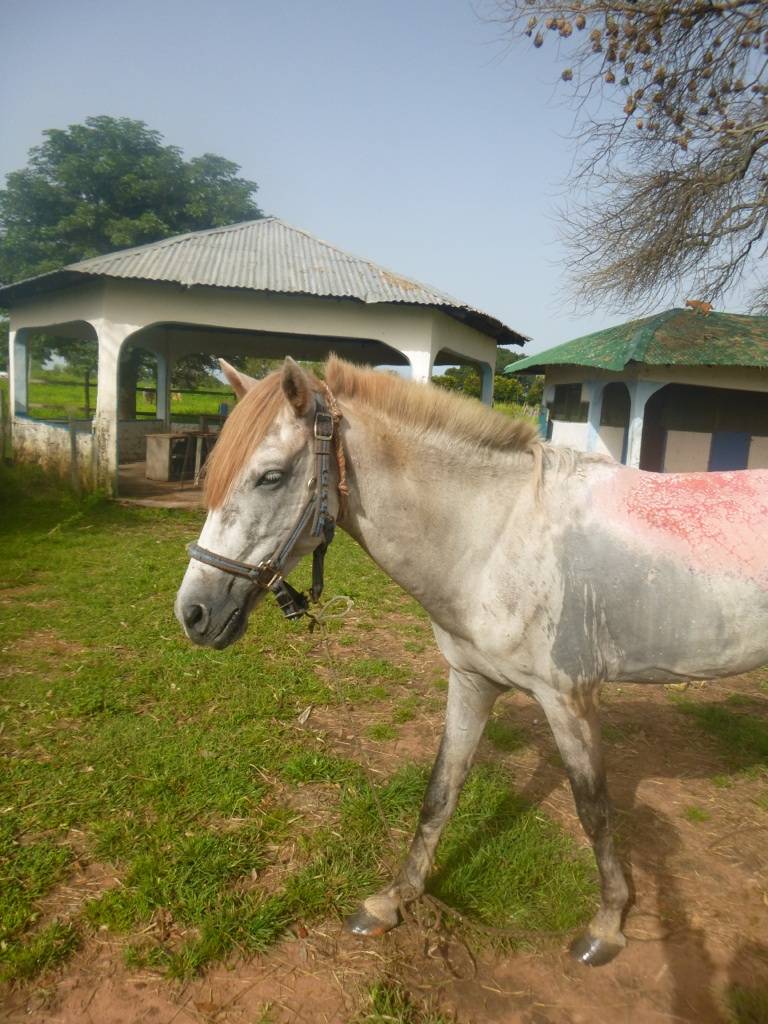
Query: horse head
(272, 498)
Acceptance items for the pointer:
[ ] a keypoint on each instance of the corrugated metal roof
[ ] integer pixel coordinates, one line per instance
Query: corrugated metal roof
(676, 337)
(265, 255)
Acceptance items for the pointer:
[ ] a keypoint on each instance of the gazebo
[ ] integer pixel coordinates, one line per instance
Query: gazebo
(259, 288)
(675, 392)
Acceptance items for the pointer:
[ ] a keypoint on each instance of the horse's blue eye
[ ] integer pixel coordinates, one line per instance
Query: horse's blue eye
(272, 476)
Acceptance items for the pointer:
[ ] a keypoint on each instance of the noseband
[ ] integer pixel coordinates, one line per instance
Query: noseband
(268, 574)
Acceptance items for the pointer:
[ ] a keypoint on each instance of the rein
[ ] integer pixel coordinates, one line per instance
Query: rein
(268, 574)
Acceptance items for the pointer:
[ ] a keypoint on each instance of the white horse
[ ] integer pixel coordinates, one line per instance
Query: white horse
(541, 569)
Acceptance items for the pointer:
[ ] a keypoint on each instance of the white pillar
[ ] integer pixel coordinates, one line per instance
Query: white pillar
(105, 422)
(486, 383)
(163, 388)
(421, 364)
(639, 393)
(594, 389)
(18, 371)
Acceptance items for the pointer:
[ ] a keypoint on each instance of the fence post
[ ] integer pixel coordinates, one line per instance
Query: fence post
(73, 471)
(4, 424)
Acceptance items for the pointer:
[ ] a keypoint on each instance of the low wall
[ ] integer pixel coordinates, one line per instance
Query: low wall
(687, 451)
(758, 453)
(574, 435)
(610, 441)
(53, 445)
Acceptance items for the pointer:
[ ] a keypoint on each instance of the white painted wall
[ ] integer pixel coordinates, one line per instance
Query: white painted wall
(687, 451)
(610, 441)
(572, 435)
(50, 446)
(758, 453)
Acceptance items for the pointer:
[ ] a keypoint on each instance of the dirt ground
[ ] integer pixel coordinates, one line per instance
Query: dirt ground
(698, 926)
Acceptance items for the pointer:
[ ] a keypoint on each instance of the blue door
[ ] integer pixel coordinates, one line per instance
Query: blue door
(729, 450)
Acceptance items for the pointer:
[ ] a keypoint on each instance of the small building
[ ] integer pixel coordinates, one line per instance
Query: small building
(259, 288)
(676, 392)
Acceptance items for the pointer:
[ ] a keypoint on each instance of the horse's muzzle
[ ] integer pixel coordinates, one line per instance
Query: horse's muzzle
(212, 625)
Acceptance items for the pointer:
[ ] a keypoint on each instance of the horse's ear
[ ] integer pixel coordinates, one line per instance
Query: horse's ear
(239, 382)
(296, 387)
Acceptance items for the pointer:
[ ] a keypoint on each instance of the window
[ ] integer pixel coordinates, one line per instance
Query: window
(615, 410)
(567, 404)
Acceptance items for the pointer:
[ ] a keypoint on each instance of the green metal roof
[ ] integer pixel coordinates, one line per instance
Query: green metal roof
(676, 337)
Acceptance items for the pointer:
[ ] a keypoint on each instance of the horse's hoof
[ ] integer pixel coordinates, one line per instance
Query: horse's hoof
(593, 951)
(363, 923)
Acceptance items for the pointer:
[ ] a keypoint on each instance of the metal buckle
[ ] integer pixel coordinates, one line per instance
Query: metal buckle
(257, 577)
(326, 420)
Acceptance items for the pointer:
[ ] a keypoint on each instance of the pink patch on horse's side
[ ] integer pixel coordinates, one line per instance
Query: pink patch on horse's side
(714, 522)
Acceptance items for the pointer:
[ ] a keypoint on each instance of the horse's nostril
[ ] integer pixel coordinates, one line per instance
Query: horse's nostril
(196, 617)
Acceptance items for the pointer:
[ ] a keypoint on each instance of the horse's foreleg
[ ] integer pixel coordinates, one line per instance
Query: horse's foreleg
(574, 722)
(470, 699)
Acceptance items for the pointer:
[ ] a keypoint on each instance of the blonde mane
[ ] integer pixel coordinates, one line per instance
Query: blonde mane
(409, 404)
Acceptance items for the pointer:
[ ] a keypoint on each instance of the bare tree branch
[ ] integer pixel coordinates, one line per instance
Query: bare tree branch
(671, 99)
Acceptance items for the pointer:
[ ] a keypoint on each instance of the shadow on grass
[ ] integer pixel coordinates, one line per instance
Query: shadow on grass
(747, 1002)
(650, 838)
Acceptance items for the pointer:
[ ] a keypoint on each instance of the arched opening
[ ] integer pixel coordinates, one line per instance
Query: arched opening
(174, 400)
(54, 397)
(688, 428)
(55, 372)
(470, 376)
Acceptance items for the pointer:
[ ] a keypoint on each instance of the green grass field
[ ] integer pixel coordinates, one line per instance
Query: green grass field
(53, 396)
(178, 770)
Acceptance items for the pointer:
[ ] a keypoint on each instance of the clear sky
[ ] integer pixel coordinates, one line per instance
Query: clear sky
(406, 132)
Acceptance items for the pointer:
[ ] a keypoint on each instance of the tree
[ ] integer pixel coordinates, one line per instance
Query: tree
(672, 136)
(508, 390)
(82, 357)
(108, 184)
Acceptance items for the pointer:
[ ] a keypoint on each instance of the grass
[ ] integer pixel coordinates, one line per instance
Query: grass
(747, 1005)
(741, 737)
(504, 863)
(505, 737)
(381, 731)
(390, 1003)
(51, 397)
(517, 411)
(696, 815)
(179, 768)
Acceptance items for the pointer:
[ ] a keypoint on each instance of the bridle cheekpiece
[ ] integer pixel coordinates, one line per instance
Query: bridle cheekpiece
(268, 574)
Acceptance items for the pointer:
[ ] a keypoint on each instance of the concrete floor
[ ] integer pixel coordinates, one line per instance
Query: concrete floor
(135, 489)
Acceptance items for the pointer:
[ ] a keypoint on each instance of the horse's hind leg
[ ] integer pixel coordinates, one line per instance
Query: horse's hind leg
(576, 728)
(470, 699)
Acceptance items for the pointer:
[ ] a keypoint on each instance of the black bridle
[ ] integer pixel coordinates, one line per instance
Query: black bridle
(268, 574)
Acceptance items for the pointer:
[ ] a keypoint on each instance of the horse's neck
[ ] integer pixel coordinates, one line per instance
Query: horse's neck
(429, 513)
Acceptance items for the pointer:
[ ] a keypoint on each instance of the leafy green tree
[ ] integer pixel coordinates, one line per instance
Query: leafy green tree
(111, 183)
(505, 356)
(509, 390)
(460, 378)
